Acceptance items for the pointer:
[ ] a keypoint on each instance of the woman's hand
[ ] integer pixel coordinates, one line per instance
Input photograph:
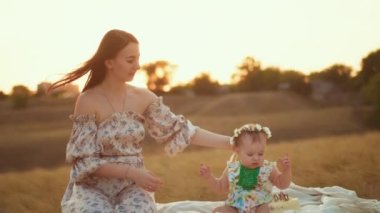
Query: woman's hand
(284, 163)
(205, 171)
(145, 179)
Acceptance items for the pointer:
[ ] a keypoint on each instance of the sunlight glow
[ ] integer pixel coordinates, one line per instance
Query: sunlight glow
(40, 41)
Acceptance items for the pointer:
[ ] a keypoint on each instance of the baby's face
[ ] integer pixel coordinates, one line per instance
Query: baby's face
(251, 153)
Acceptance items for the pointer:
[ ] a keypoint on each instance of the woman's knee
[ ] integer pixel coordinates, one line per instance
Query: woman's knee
(88, 206)
(85, 199)
(135, 199)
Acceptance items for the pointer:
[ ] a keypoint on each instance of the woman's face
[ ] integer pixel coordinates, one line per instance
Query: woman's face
(126, 63)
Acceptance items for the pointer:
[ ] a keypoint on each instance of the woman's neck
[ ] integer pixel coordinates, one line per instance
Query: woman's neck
(113, 87)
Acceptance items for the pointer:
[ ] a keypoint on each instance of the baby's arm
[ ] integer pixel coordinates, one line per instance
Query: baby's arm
(218, 185)
(282, 179)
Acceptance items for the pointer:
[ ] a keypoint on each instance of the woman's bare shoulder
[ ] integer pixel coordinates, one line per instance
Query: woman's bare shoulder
(145, 96)
(86, 102)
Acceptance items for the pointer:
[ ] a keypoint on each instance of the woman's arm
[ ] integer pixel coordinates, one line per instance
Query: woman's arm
(206, 138)
(142, 177)
(202, 137)
(110, 170)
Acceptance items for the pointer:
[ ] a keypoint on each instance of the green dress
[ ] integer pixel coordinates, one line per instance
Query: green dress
(240, 195)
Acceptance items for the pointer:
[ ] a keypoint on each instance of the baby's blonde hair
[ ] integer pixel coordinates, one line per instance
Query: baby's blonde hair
(248, 129)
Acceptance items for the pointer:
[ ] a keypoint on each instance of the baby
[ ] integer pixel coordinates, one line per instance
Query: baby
(248, 178)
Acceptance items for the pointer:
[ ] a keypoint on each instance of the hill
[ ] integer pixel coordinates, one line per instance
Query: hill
(37, 136)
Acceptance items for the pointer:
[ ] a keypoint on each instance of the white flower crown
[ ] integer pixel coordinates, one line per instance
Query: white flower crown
(250, 128)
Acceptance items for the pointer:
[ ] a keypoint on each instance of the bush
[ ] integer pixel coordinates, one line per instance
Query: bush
(20, 96)
(372, 93)
(297, 82)
(204, 85)
(3, 96)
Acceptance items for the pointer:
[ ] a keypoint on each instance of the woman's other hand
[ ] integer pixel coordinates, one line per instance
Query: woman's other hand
(146, 179)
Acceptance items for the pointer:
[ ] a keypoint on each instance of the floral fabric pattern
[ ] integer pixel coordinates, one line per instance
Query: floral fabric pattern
(118, 139)
(246, 200)
(166, 127)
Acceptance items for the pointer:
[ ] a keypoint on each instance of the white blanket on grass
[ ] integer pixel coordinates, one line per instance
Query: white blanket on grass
(312, 200)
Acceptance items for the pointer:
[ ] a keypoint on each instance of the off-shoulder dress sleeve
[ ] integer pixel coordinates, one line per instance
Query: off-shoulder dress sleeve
(83, 151)
(175, 131)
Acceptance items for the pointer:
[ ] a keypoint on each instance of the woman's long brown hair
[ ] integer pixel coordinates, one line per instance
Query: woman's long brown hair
(112, 42)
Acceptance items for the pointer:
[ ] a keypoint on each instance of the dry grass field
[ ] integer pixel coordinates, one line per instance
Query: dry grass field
(328, 146)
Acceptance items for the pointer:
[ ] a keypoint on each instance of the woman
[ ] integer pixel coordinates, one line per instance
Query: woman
(104, 148)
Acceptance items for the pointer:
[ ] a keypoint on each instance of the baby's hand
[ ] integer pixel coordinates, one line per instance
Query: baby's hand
(284, 163)
(205, 171)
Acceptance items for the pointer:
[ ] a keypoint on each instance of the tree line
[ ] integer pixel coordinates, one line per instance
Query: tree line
(251, 76)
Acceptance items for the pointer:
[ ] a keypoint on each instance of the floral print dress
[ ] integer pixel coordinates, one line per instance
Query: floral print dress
(247, 200)
(118, 139)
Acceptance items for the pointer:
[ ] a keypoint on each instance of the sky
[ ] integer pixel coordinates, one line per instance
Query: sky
(40, 40)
